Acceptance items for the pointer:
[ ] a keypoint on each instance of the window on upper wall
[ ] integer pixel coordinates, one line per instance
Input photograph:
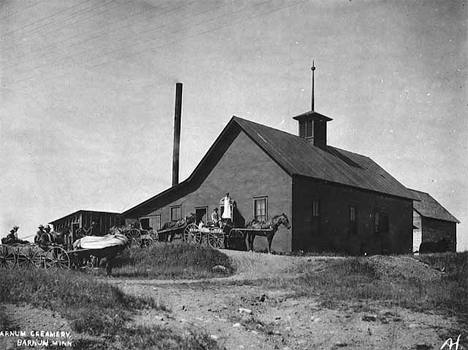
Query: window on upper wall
(376, 222)
(353, 219)
(315, 208)
(302, 129)
(309, 128)
(176, 213)
(260, 208)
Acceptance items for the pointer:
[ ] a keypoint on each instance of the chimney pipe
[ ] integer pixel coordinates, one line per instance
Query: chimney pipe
(177, 117)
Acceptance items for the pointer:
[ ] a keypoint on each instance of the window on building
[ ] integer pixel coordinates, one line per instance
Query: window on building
(353, 219)
(156, 224)
(176, 213)
(315, 208)
(376, 222)
(260, 208)
(302, 129)
(309, 128)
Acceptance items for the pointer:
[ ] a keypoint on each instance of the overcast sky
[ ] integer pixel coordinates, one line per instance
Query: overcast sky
(88, 87)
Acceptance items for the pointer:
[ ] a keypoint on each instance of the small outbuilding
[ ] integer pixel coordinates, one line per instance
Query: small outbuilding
(83, 219)
(432, 223)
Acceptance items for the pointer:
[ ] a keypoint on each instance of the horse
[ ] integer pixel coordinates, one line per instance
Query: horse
(172, 227)
(270, 227)
(105, 255)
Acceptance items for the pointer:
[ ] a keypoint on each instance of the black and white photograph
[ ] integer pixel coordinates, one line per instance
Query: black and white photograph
(233, 174)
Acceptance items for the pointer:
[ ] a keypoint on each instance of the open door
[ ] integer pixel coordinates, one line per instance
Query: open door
(201, 214)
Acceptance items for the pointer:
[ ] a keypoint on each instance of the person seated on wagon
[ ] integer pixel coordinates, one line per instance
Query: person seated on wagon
(10, 238)
(201, 224)
(215, 217)
(137, 225)
(15, 229)
(37, 237)
(46, 240)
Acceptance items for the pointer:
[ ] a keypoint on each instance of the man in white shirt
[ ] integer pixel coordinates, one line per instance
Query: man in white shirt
(226, 203)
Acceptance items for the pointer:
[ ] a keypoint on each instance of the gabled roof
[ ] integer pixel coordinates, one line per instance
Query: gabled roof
(430, 208)
(297, 156)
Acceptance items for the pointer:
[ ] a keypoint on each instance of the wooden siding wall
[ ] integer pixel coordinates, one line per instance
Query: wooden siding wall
(244, 171)
(434, 230)
(84, 219)
(334, 222)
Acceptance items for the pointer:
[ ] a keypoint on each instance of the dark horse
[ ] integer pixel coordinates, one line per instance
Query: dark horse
(266, 228)
(105, 255)
(174, 226)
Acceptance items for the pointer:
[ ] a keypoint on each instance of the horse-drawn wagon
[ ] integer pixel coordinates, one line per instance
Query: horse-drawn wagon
(32, 255)
(55, 255)
(222, 237)
(137, 237)
(184, 228)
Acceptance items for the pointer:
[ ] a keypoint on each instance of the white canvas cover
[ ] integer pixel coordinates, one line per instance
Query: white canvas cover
(100, 242)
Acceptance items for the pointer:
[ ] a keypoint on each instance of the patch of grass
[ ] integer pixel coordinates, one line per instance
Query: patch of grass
(6, 323)
(161, 338)
(95, 308)
(171, 261)
(358, 281)
(53, 289)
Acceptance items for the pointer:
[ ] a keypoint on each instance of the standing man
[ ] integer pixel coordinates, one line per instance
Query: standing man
(226, 203)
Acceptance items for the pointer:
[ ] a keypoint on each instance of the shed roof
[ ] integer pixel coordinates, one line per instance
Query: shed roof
(430, 208)
(83, 211)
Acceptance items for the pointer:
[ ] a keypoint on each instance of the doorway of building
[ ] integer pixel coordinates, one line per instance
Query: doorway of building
(201, 214)
(145, 223)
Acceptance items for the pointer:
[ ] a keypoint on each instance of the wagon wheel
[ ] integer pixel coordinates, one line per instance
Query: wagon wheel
(192, 234)
(28, 257)
(57, 257)
(236, 233)
(7, 257)
(134, 237)
(216, 240)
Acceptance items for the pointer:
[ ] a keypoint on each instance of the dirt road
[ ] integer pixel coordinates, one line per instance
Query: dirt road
(240, 315)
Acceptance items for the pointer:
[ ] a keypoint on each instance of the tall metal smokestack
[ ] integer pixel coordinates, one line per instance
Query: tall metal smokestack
(177, 117)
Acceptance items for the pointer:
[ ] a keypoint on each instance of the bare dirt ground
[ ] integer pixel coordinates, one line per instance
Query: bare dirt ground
(243, 316)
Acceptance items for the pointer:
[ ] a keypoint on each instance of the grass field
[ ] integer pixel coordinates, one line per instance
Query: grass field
(171, 261)
(103, 311)
(362, 280)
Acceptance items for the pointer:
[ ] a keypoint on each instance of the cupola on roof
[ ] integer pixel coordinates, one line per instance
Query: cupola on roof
(313, 125)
